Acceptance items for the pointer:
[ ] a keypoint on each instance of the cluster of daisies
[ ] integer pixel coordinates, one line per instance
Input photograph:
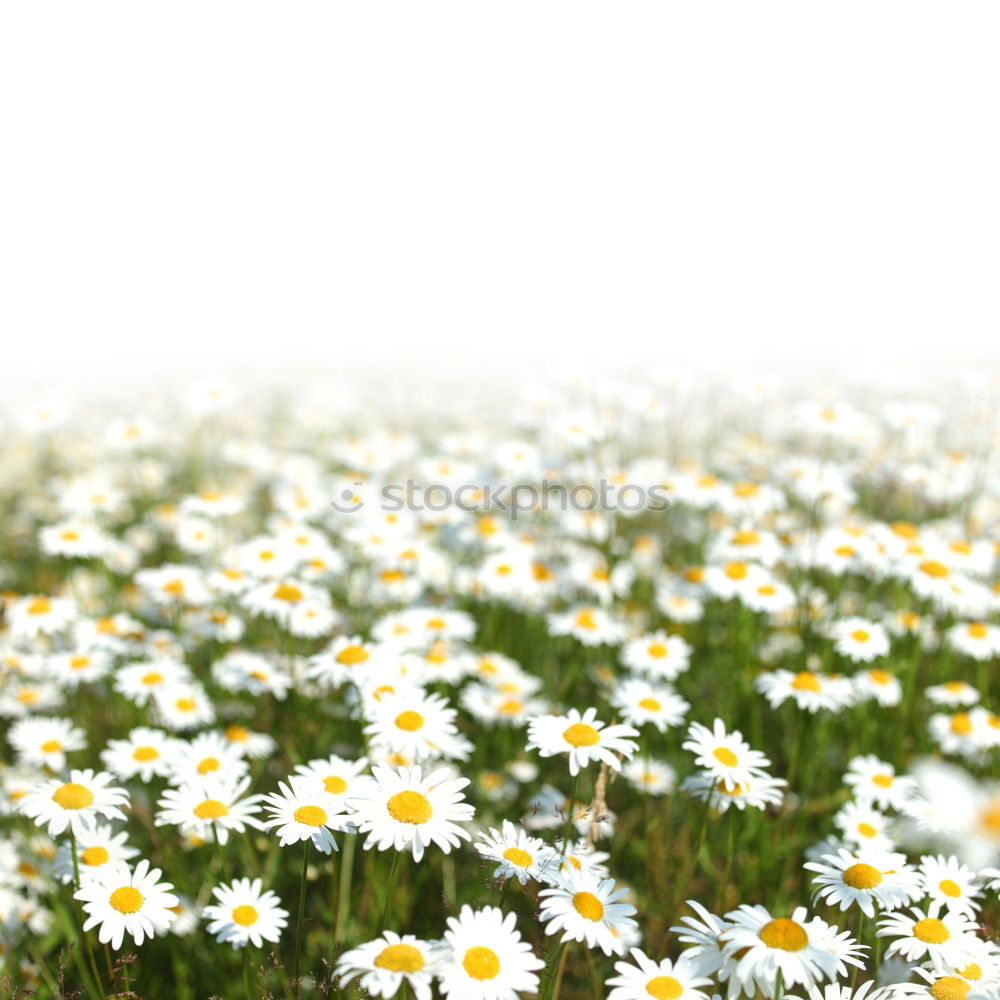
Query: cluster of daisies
(227, 665)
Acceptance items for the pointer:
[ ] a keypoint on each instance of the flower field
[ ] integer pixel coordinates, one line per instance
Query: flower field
(645, 688)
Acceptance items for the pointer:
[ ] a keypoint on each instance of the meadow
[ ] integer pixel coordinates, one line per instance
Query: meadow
(708, 713)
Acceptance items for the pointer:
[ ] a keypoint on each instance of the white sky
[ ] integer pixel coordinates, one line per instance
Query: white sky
(196, 186)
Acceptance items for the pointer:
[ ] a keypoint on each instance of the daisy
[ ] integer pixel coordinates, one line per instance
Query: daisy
(419, 726)
(802, 952)
(390, 960)
(662, 656)
(244, 914)
(809, 691)
(74, 669)
(862, 825)
(139, 681)
(975, 639)
(704, 934)
(653, 777)
(868, 880)
(860, 640)
(38, 614)
(207, 755)
(254, 746)
(948, 882)
(146, 752)
(95, 849)
(210, 808)
(518, 854)
(954, 694)
(924, 934)
(302, 810)
(590, 626)
(401, 808)
(120, 900)
(873, 780)
(582, 737)
(75, 804)
(184, 706)
(45, 742)
(725, 756)
(663, 980)
(641, 702)
(338, 777)
(489, 960)
(757, 792)
(587, 909)
(878, 685)
(342, 661)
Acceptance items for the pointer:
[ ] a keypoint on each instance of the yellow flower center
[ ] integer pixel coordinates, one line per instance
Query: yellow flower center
(185, 704)
(244, 915)
(650, 704)
(152, 678)
(511, 707)
(883, 780)
(585, 619)
(40, 606)
(126, 899)
(971, 972)
(784, 934)
(400, 958)
(94, 856)
(664, 988)
(211, 809)
(522, 859)
(409, 807)
(335, 784)
(880, 676)
(349, 656)
(860, 635)
(657, 650)
(581, 735)
(588, 906)
(935, 569)
(725, 756)
(288, 593)
(746, 538)
(745, 490)
(930, 930)
(950, 988)
(481, 963)
(174, 587)
(867, 830)
(961, 724)
(977, 630)
(737, 571)
(862, 876)
(806, 681)
(79, 662)
(950, 888)
(51, 746)
(237, 734)
(409, 721)
(310, 815)
(72, 796)
(145, 753)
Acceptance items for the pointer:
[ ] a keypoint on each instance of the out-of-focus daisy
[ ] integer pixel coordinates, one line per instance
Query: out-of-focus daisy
(205, 757)
(591, 626)
(489, 960)
(45, 742)
(75, 804)
(954, 694)
(657, 654)
(390, 960)
(96, 848)
(146, 752)
(950, 883)
(859, 639)
(407, 811)
(585, 908)
(810, 691)
(725, 756)
(582, 737)
(863, 825)
(653, 777)
(244, 913)
(121, 901)
(874, 780)
(641, 702)
(757, 792)
(975, 639)
(140, 681)
(418, 726)
(879, 685)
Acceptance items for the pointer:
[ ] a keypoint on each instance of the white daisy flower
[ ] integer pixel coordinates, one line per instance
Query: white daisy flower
(640, 702)
(950, 883)
(210, 809)
(658, 654)
(874, 780)
(42, 742)
(302, 810)
(866, 879)
(120, 901)
(919, 934)
(516, 852)
(146, 752)
(75, 804)
(390, 960)
(245, 914)
(587, 909)
(582, 737)
(402, 809)
(725, 756)
(489, 960)
(663, 980)
(96, 849)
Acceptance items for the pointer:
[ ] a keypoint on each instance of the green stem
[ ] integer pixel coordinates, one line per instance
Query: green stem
(302, 910)
(393, 873)
(344, 889)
